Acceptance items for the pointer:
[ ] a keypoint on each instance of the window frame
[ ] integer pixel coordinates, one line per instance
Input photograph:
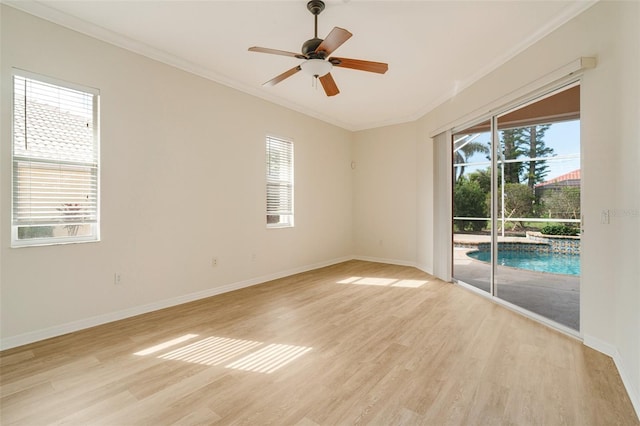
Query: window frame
(93, 234)
(285, 219)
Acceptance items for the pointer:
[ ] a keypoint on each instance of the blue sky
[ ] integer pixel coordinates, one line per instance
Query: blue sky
(563, 137)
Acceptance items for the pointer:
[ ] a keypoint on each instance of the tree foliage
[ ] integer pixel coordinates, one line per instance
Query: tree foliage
(562, 204)
(469, 201)
(483, 177)
(511, 143)
(519, 170)
(518, 201)
(464, 153)
(528, 142)
(536, 171)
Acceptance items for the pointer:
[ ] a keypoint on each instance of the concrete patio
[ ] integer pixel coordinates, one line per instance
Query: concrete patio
(553, 296)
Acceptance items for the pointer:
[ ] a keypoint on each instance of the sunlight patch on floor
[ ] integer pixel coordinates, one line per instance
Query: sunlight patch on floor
(385, 282)
(269, 359)
(349, 280)
(213, 351)
(166, 345)
(410, 283)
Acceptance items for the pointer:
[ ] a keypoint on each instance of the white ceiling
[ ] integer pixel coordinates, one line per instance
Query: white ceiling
(434, 48)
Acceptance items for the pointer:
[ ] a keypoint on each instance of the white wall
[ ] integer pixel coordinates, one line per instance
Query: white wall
(426, 227)
(182, 180)
(610, 125)
(384, 204)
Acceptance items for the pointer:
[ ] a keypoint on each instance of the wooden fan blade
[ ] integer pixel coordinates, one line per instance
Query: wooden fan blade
(336, 37)
(357, 64)
(276, 52)
(329, 85)
(282, 76)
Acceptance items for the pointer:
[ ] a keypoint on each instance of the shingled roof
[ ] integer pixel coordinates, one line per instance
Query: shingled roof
(573, 176)
(50, 132)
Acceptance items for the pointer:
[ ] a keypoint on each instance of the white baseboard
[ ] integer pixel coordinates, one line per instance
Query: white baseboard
(425, 269)
(70, 327)
(383, 260)
(599, 345)
(612, 351)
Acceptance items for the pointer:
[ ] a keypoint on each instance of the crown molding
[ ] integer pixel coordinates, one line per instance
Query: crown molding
(48, 13)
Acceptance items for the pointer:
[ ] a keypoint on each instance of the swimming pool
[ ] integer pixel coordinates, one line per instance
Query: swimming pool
(567, 264)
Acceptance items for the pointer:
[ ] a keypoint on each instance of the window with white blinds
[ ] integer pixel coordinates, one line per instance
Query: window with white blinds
(279, 182)
(55, 159)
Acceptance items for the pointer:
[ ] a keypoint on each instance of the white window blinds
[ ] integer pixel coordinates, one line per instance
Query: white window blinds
(55, 158)
(279, 182)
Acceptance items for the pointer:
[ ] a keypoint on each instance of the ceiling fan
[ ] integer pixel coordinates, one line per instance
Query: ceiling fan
(315, 52)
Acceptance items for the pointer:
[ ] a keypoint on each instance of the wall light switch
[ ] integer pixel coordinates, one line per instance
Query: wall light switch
(604, 217)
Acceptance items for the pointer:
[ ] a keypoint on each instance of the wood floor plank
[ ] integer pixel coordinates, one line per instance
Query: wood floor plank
(353, 343)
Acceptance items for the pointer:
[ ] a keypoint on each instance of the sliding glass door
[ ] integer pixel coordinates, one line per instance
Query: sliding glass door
(516, 206)
(472, 204)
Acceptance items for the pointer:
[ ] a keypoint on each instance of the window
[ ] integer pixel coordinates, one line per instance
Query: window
(55, 159)
(279, 183)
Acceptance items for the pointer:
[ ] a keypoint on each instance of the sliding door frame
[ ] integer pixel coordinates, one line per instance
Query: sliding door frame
(493, 116)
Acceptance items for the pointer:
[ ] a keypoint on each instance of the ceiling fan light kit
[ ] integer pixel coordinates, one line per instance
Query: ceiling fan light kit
(315, 52)
(316, 67)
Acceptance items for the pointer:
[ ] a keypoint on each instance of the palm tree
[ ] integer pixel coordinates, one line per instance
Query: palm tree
(464, 148)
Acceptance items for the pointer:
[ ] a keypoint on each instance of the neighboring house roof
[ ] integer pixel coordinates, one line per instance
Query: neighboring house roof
(571, 176)
(51, 132)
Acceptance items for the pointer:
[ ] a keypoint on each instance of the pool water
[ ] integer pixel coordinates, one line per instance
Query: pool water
(567, 264)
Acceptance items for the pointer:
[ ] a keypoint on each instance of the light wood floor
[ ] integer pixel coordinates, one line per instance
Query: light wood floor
(355, 343)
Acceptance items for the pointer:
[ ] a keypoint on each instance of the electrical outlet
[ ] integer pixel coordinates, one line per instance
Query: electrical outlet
(117, 278)
(214, 261)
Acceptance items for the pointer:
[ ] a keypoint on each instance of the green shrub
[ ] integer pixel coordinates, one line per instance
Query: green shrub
(469, 201)
(561, 204)
(555, 229)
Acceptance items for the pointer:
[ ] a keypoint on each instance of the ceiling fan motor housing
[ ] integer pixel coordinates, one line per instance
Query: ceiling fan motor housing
(309, 48)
